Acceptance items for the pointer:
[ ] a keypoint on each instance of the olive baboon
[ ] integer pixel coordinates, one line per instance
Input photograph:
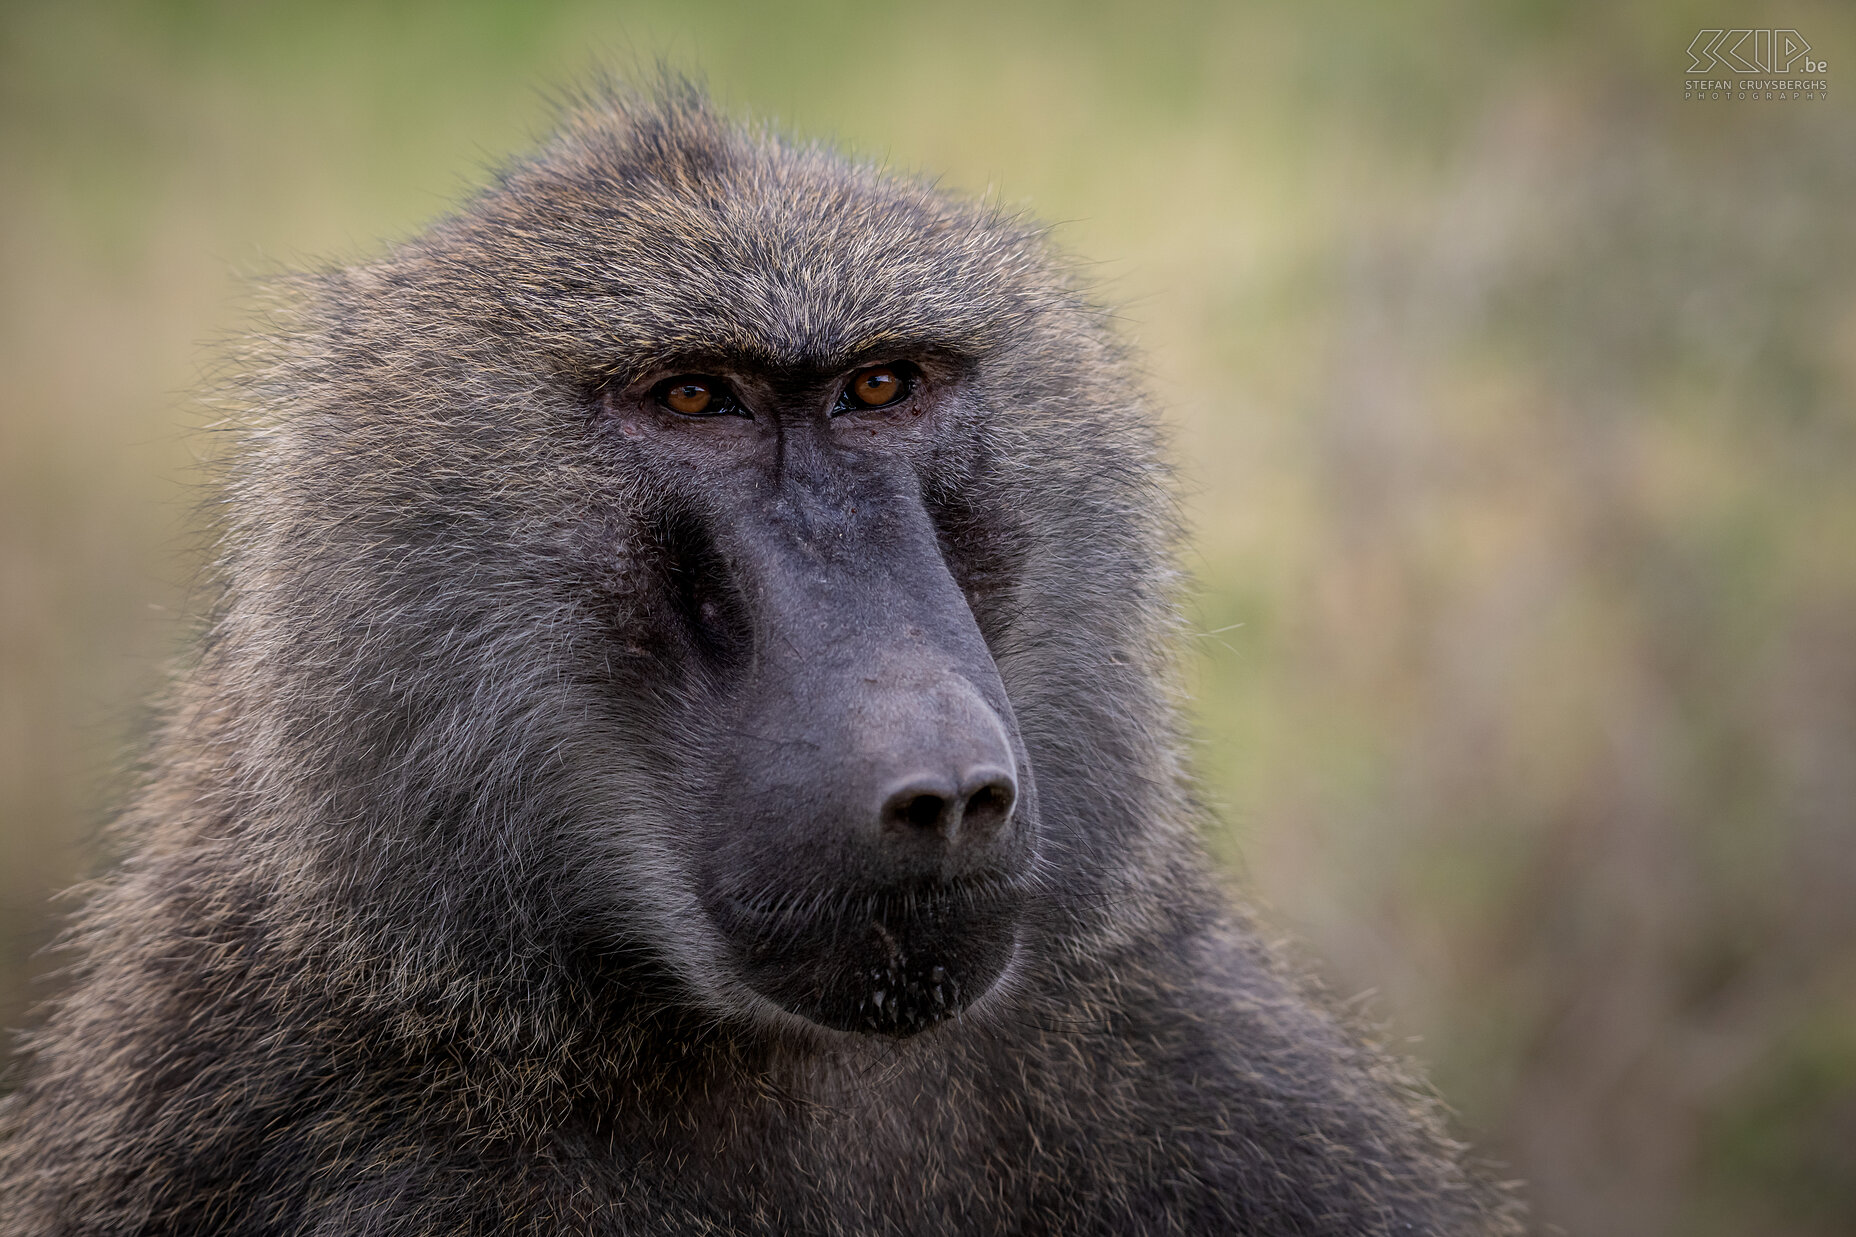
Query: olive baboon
(685, 745)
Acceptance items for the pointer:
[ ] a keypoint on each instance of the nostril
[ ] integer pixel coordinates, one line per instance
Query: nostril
(988, 806)
(916, 807)
(924, 811)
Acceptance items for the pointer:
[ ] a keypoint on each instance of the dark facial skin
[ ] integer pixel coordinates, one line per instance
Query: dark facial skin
(869, 815)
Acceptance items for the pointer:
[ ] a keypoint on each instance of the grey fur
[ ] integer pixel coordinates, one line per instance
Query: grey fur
(405, 943)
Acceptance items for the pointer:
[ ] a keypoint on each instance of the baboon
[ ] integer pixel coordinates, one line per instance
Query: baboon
(685, 744)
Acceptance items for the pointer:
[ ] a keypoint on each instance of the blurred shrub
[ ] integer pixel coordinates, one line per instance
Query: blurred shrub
(1565, 712)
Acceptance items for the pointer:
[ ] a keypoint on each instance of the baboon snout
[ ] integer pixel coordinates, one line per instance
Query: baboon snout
(938, 778)
(873, 816)
(925, 777)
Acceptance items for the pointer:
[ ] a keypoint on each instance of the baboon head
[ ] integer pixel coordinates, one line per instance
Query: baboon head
(702, 550)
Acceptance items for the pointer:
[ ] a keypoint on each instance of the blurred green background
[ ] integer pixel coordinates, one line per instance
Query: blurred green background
(1515, 397)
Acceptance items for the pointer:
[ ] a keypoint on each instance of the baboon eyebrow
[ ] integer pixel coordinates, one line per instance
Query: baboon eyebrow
(936, 354)
(935, 351)
(650, 361)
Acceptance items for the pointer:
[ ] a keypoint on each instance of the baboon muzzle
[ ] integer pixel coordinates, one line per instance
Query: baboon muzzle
(874, 812)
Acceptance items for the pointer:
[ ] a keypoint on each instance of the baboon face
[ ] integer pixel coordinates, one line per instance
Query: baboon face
(696, 474)
(866, 817)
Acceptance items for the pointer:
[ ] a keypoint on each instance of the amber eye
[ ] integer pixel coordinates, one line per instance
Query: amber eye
(693, 395)
(878, 385)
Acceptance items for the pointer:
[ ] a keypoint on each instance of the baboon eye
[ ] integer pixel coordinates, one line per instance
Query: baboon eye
(696, 395)
(878, 385)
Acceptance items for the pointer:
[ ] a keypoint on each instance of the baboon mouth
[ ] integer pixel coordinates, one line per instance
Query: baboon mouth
(887, 962)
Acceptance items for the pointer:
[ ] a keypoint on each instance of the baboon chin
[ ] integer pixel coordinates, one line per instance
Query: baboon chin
(686, 743)
(892, 962)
